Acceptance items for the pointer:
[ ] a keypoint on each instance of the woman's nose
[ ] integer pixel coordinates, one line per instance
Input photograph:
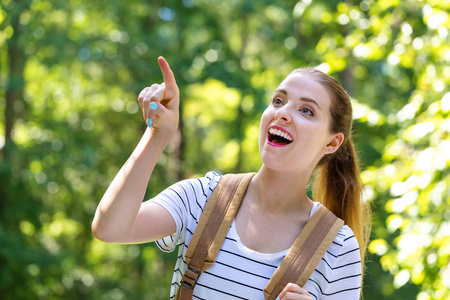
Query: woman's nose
(283, 114)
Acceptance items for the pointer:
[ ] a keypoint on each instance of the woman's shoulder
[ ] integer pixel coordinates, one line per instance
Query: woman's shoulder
(339, 271)
(206, 184)
(346, 238)
(212, 178)
(197, 190)
(189, 195)
(345, 248)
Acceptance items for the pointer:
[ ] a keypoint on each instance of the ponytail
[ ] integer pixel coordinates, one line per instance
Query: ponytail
(337, 185)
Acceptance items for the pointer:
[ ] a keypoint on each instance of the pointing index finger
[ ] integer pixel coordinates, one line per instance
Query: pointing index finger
(169, 78)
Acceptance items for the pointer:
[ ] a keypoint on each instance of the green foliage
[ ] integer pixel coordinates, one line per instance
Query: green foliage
(70, 72)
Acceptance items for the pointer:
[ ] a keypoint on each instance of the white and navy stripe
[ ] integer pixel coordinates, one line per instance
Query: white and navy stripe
(241, 273)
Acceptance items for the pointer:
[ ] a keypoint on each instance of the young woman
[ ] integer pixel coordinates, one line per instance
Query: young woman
(305, 129)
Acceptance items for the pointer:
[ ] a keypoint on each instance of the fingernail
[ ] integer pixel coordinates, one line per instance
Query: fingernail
(153, 106)
(149, 122)
(278, 298)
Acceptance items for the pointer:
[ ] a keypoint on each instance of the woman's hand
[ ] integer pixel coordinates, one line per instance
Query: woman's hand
(292, 291)
(159, 103)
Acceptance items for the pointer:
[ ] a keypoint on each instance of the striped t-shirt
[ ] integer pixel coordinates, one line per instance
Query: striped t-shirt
(241, 273)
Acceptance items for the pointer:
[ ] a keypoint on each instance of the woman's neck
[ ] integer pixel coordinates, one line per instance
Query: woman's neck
(281, 191)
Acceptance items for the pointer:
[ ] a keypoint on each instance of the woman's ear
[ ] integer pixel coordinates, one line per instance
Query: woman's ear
(335, 143)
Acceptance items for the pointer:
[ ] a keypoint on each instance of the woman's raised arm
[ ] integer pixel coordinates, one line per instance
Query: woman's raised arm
(121, 216)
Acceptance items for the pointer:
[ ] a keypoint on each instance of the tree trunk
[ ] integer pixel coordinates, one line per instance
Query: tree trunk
(240, 116)
(15, 82)
(347, 76)
(13, 94)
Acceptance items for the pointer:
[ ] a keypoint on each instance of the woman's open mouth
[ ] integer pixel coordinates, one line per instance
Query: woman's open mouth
(278, 138)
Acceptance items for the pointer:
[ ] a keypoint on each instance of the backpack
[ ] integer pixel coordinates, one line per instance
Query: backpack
(215, 221)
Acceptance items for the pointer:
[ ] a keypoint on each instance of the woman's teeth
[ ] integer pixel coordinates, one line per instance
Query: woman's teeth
(280, 133)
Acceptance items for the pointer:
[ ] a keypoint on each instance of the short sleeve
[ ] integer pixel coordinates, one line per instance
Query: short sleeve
(345, 278)
(185, 201)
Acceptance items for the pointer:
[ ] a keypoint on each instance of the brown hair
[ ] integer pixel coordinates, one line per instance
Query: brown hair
(336, 182)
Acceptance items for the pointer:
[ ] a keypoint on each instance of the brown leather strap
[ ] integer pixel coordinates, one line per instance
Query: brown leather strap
(306, 252)
(218, 214)
(212, 228)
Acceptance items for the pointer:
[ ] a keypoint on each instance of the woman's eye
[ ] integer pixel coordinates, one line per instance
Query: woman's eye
(307, 111)
(277, 101)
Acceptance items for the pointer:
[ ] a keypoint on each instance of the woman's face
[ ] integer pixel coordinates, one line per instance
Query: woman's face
(294, 131)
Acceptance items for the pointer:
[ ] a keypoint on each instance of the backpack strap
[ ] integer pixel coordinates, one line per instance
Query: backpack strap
(212, 228)
(215, 221)
(306, 252)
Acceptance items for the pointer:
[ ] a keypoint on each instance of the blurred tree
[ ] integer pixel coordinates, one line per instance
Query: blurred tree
(69, 75)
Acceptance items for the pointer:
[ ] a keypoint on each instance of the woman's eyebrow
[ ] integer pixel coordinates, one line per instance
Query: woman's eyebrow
(304, 99)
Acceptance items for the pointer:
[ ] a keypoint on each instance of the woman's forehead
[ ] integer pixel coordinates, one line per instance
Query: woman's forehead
(299, 85)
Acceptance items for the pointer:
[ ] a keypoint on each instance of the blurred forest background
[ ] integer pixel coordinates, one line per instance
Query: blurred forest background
(70, 73)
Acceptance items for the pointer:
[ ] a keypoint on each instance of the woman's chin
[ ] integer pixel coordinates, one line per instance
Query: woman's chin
(273, 162)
